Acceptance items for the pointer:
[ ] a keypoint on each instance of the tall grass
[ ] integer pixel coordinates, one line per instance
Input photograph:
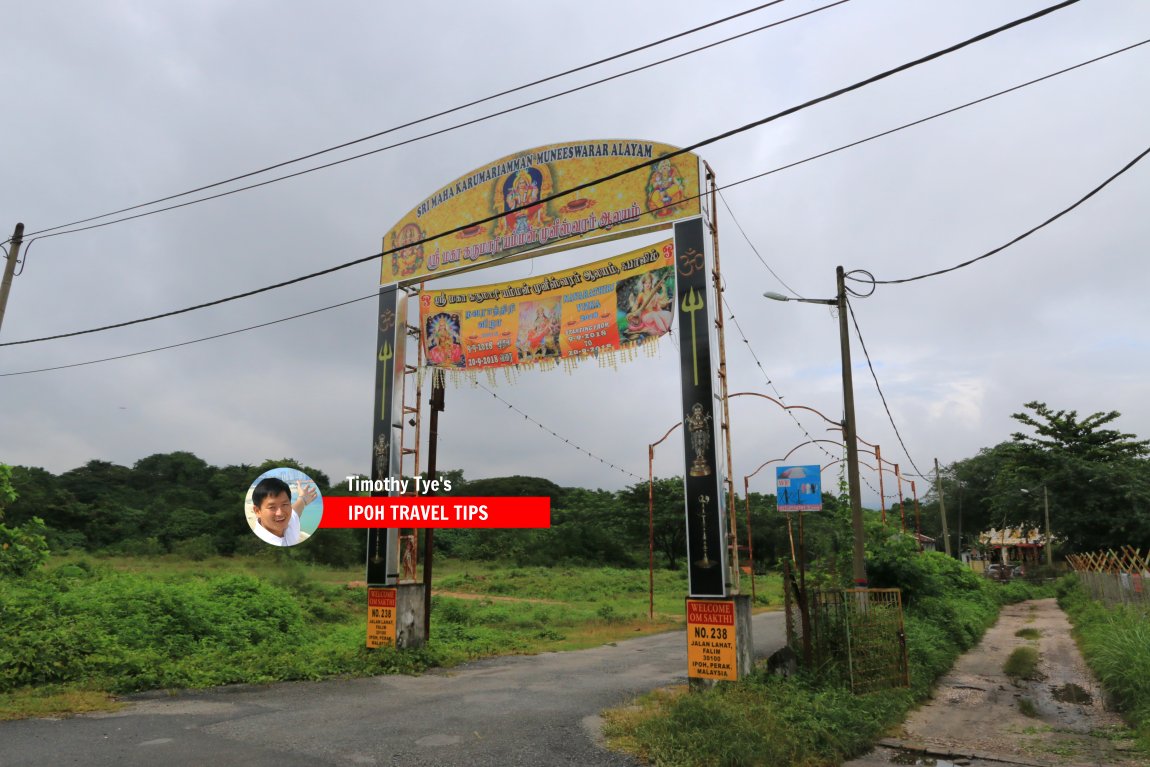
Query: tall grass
(1116, 645)
(809, 720)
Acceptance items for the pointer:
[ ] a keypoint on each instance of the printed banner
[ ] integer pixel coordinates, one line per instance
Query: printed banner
(513, 193)
(799, 488)
(618, 303)
(436, 512)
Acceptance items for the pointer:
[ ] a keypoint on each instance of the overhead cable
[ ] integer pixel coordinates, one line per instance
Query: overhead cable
(52, 232)
(640, 166)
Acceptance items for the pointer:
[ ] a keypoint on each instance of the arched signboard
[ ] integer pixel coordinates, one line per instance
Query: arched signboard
(540, 201)
(543, 200)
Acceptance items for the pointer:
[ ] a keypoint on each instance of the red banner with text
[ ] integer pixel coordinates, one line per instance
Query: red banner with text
(435, 512)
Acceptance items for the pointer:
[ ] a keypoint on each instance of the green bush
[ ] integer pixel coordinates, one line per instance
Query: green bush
(812, 719)
(23, 548)
(196, 549)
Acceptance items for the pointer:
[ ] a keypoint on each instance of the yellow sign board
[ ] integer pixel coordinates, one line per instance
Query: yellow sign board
(505, 208)
(619, 303)
(711, 652)
(381, 617)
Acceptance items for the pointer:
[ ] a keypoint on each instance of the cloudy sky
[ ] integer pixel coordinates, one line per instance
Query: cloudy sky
(117, 103)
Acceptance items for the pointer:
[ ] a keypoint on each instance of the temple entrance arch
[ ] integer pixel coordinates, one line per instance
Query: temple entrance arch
(541, 201)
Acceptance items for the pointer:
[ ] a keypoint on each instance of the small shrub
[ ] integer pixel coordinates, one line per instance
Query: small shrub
(1027, 708)
(1021, 664)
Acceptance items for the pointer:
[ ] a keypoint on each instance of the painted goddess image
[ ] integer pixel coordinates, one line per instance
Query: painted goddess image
(441, 341)
(407, 260)
(523, 187)
(649, 306)
(665, 189)
(539, 331)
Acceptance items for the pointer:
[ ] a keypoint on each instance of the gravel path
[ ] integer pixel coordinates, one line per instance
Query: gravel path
(977, 714)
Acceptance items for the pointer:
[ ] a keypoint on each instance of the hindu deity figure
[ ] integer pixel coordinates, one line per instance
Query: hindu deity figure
(522, 188)
(649, 307)
(409, 257)
(443, 347)
(698, 425)
(666, 188)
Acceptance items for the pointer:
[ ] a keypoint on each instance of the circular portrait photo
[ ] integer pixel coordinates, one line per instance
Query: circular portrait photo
(283, 507)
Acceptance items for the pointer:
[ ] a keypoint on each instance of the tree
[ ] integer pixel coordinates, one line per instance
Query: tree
(1096, 479)
(24, 547)
(1062, 433)
(670, 518)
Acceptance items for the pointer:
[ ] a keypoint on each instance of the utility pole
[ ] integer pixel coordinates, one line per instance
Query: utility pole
(1046, 510)
(849, 434)
(941, 507)
(10, 268)
(437, 386)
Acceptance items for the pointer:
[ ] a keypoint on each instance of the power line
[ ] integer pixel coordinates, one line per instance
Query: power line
(617, 174)
(52, 233)
(767, 378)
(1020, 237)
(603, 461)
(936, 115)
(193, 341)
(882, 396)
(755, 250)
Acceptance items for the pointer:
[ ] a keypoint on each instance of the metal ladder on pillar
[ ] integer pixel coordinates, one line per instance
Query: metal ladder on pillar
(409, 435)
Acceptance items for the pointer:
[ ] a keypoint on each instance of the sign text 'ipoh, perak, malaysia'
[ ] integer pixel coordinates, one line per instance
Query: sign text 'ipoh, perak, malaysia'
(711, 650)
(381, 617)
(503, 209)
(616, 304)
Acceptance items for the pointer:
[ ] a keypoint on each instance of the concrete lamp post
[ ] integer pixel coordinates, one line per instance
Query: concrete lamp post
(1046, 513)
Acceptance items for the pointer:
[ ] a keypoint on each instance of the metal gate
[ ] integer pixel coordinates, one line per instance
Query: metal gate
(854, 634)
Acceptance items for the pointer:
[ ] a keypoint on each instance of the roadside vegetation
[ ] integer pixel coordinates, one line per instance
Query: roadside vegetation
(82, 629)
(807, 719)
(1116, 645)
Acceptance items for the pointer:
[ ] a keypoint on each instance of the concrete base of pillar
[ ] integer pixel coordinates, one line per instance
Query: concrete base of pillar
(409, 616)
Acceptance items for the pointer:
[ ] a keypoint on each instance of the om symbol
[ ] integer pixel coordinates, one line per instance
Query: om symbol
(690, 262)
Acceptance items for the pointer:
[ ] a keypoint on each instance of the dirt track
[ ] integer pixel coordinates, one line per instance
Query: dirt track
(976, 716)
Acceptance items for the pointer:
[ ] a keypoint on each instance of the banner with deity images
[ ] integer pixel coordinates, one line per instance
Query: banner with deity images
(502, 209)
(619, 304)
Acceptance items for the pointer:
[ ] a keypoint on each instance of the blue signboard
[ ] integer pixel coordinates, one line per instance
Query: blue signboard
(799, 488)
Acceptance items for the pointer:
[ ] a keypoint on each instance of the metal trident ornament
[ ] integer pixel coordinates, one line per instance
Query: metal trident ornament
(385, 353)
(693, 302)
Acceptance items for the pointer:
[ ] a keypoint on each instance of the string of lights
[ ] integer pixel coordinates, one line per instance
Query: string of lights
(882, 396)
(558, 436)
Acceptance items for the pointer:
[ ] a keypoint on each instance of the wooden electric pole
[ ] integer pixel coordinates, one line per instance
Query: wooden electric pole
(941, 508)
(10, 268)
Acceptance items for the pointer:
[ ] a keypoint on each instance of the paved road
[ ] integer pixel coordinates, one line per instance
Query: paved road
(536, 711)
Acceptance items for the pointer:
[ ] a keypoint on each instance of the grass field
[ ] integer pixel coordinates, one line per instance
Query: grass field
(86, 629)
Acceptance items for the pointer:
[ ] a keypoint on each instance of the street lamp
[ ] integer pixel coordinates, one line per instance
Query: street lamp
(1046, 512)
(849, 435)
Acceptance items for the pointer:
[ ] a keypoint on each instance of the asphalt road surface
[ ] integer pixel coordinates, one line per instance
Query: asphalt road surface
(529, 711)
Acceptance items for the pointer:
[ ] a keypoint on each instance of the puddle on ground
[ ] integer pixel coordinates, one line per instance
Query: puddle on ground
(1071, 693)
(918, 760)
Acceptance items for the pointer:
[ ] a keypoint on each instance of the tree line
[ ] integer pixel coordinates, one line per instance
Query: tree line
(1095, 477)
(178, 503)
